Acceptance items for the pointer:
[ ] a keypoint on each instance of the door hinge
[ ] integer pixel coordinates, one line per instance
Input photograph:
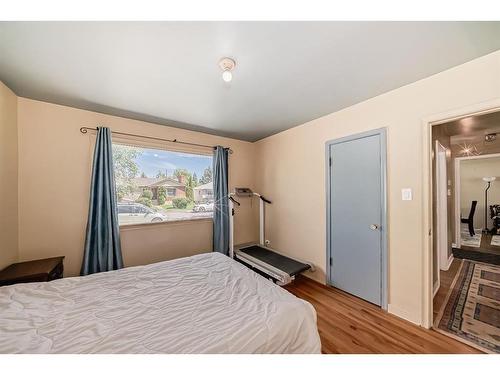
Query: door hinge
(330, 161)
(331, 261)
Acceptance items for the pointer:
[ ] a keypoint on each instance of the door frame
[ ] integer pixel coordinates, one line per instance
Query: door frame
(443, 259)
(382, 132)
(427, 180)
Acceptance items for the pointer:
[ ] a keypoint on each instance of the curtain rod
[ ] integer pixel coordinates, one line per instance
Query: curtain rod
(85, 129)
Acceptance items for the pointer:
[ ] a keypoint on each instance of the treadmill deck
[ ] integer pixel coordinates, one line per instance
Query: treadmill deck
(288, 265)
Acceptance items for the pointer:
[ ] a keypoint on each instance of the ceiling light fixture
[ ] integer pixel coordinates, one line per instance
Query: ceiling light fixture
(490, 137)
(469, 150)
(227, 65)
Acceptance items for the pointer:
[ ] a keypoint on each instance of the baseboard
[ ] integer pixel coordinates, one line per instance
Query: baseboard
(404, 314)
(450, 260)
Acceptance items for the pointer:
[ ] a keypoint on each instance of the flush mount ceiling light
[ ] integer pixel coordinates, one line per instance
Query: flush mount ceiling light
(227, 65)
(469, 150)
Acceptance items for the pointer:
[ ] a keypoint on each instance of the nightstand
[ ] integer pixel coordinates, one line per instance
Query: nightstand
(32, 271)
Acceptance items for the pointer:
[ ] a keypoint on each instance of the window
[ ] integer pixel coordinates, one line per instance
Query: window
(155, 185)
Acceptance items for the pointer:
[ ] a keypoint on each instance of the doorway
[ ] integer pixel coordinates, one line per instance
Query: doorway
(356, 215)
(465, 160)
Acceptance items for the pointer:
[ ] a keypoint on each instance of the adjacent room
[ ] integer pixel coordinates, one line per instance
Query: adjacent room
(281, 187)
(466, 164)
(477, 184)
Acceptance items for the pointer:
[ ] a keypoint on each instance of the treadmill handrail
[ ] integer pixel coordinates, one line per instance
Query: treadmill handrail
(234, 200)
(265, 199)
(231, 195)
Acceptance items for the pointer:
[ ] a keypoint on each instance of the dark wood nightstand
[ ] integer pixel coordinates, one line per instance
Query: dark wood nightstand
(32, 271)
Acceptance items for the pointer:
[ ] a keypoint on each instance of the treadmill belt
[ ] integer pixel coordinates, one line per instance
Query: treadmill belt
(290, 266)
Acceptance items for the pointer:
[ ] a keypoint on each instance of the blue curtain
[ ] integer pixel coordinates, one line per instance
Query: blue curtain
(102, 243)
(221, 205)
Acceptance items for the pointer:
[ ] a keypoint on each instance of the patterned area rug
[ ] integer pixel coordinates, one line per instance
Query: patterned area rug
(471, 312)
(495, 240)
(467, 240)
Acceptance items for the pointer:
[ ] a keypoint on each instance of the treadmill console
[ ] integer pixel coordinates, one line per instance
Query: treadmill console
(243, 192)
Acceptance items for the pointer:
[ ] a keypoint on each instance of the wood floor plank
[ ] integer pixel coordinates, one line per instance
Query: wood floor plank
(446, 279)
(348, 324)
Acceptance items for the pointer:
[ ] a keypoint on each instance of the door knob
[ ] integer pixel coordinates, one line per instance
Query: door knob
(374, 226)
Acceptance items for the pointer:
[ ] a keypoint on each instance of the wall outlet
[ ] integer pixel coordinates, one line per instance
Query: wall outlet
(267, 242)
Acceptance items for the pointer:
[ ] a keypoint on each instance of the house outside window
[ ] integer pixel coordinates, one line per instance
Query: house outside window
(154, 186)
(204, 192)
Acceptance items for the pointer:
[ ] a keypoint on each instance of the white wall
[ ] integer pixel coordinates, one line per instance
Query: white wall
(291, 172)
(472, 187)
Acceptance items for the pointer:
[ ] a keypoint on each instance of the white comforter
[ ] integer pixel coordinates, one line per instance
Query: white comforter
(202, 304)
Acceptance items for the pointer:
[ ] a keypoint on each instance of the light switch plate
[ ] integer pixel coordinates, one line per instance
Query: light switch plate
(406, 194)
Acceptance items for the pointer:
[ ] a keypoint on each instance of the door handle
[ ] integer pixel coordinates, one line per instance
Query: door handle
(374, 226)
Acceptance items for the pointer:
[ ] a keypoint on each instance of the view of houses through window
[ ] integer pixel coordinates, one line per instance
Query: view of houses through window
(156, 185)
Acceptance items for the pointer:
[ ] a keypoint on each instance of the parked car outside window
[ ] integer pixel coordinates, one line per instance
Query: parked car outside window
(203, 207)
(136, 213)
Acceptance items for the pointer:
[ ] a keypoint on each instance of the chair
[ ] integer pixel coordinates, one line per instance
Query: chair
(470, 219)
(495, 215)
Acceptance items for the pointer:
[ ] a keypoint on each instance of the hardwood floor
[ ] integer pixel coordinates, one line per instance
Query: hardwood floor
(446, 278)
(486, 253)
(485, 245)
(348, 324)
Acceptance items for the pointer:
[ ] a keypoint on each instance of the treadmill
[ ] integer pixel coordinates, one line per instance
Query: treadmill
(268, 262)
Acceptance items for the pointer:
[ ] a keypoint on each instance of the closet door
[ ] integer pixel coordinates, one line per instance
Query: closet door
(356, 215)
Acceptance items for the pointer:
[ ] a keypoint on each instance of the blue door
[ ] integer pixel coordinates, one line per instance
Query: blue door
(356, 215)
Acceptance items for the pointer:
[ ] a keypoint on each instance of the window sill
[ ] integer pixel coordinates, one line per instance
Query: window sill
(165, 223)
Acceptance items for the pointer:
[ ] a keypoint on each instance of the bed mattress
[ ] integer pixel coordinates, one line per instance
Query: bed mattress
(206, 303)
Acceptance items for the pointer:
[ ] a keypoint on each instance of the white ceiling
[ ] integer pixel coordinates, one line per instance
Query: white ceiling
(287, 73)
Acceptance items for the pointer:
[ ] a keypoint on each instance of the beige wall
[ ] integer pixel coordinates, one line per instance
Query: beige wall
(55, 162)
(8, 177)
(54, 175)
(291, 172)
(472, 187)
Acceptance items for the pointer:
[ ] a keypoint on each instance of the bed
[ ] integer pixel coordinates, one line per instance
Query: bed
(206, 303)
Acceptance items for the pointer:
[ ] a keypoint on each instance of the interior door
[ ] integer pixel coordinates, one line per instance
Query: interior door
(356, 215)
